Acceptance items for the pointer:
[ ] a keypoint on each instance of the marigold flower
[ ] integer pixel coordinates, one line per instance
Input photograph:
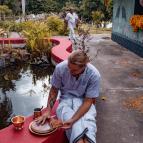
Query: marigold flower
(136, 21)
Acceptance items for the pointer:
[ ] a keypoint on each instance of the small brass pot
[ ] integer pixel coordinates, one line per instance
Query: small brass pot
(18, 122)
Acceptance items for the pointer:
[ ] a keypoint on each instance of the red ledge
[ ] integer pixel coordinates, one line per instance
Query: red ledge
(12, 40)
(10, 135)
(60, 52)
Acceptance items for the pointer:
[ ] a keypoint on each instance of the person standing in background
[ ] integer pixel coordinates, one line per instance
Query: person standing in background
(71, 21)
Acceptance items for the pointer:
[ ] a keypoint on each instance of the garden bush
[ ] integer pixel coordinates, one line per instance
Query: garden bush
(55, 25)
(38, 38)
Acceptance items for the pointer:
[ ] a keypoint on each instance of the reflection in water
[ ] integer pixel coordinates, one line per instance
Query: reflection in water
(23, 88)
(39, 73)
(5, 111)
(7, 76)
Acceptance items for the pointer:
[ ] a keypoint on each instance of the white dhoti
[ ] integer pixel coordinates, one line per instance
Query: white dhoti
(84, 127)
(72, 35)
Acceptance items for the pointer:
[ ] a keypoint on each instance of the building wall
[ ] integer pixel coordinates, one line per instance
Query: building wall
(122, 32)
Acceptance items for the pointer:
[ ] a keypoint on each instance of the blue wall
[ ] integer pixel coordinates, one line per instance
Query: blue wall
(122, 32)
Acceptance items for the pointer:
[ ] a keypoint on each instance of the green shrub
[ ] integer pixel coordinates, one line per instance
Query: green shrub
(97, 18)
(37, 34)
(55, 25)
(6, 25)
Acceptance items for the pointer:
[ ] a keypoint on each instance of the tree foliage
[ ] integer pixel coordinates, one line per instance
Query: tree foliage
(88, 6)
(97, 18)
(14, 5)
(84, 8)
(4, 9)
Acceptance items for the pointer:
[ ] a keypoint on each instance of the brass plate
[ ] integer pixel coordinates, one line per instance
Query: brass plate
(41, 134)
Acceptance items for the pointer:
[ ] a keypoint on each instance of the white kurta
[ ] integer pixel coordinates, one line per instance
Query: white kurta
(71, 18)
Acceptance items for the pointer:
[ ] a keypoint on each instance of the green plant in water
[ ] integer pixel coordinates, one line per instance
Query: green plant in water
(38, 39)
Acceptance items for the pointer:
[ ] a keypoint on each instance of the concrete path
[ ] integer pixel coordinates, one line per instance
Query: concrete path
(120, 106)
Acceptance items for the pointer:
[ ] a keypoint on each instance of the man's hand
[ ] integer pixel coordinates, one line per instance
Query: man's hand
(42, 119)
(68, 124)
(51, 101)
(82, 109)
(56, 123)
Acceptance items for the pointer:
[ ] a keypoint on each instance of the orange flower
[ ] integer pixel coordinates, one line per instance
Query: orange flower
(136, 21)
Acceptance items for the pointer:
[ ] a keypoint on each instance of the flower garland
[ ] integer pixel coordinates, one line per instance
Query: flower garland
(136, 22)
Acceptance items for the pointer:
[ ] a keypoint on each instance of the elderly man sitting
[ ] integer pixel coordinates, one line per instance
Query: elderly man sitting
(78, 82)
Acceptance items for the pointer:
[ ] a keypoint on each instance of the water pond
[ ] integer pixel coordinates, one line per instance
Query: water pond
(23, 88)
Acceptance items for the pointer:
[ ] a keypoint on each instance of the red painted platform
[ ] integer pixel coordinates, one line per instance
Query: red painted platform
(61, 51)
(10, 135)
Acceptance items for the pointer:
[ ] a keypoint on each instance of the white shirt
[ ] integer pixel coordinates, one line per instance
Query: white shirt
(71, 18)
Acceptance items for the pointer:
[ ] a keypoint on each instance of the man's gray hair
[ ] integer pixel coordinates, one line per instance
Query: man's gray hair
(78, 57)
